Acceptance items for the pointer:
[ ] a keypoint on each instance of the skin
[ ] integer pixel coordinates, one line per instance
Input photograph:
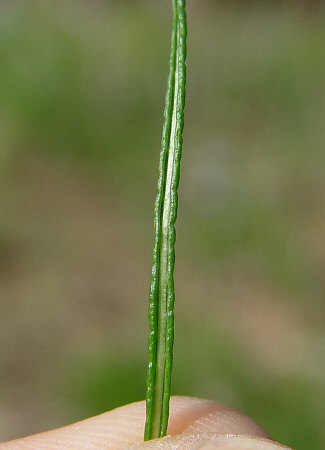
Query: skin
(194, 424)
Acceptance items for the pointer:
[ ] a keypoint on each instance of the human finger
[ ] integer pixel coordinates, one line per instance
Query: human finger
(123, 427)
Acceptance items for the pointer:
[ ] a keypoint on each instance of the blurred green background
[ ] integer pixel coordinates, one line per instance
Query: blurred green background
(82, 88)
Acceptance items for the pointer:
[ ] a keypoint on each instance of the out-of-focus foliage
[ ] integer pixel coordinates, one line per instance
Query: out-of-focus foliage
(81, 100)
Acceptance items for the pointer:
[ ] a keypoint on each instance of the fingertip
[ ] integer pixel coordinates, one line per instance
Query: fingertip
(123, 427)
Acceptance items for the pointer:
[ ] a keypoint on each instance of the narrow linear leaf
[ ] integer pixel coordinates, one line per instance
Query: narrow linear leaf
(162, 294)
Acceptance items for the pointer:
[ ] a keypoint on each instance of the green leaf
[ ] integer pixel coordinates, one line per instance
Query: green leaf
(162, 294)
